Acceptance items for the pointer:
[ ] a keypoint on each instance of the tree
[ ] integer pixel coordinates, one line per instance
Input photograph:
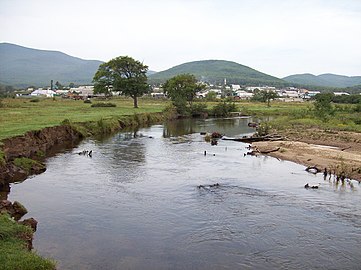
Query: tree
(323, 106)
(122, 74)
(264, 96)
(182, 89)
(58, 85)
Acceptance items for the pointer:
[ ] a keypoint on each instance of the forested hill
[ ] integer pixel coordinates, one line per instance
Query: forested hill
(21, 66)
(215, 71)
(328, 80)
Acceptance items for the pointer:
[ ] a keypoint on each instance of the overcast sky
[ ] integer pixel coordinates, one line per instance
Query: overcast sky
(278, 37)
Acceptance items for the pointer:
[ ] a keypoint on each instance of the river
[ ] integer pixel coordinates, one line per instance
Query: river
(136, 204)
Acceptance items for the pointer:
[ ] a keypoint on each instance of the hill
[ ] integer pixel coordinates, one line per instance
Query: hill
(215, 71)
(329, 80)
(21, 66)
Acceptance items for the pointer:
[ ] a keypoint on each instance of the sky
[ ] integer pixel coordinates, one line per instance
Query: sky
(277, 37)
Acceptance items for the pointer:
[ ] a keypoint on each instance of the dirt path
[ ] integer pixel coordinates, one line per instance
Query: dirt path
(339, 151)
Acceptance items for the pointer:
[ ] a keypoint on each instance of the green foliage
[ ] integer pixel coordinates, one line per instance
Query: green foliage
(323, 106)
(211, 96)
(198, 109)
(87, 101)
(264, 96)
(122, 74)
(263, 129)
(348, 99)
(13, 252)
(27, 163)
(223, 109)
(182, 90)
(2, 158)
(103, 104)
(358, 107)
(170, 112)
(34, 100)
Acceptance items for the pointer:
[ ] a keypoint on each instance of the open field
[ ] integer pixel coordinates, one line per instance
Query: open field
(18, 116)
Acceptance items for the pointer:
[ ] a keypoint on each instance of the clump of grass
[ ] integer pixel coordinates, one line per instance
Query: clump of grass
(34, 100)
(2, 158)
(27, 164)
(13, 248)
(103, 104)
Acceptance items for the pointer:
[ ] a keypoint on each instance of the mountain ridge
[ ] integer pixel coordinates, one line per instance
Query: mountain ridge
(326, 80)
(216, 71)
(21, 66)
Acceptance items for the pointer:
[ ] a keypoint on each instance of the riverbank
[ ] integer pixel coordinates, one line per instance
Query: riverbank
(22, 156)
(338, 151)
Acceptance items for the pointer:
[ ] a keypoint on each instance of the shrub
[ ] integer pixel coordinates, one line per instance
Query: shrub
(198, 109)
(103, 104)
(263, 129)
(223, 109)
(87, 101)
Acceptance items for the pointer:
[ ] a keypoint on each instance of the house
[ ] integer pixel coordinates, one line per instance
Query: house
(83, 92)
(243, 94)
(43, 93)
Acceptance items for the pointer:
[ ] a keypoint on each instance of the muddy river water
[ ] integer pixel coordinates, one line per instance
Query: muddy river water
(135, 204)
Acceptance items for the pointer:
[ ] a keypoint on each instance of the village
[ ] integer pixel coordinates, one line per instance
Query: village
(233, 91)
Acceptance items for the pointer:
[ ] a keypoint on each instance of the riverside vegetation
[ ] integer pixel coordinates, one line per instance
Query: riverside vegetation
(296, 120)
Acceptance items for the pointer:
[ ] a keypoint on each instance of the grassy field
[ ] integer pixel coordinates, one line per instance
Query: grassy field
(18, 116)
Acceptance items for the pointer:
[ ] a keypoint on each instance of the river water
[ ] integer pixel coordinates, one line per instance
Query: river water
(136, 205)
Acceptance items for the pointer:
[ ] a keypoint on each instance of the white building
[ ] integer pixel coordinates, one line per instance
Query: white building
(341, 93)
(44, 93)
(243, 94)
(83, 91)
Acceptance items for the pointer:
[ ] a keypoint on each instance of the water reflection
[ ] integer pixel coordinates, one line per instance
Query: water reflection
(229, 127)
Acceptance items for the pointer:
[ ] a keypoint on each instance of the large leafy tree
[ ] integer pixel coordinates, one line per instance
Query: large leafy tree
(122, 74)
(182, 90)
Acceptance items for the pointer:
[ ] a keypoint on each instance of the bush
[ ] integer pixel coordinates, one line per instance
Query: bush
(199, 109)
(103, 104)
(263, 129)
(223, 109)
(87, 101)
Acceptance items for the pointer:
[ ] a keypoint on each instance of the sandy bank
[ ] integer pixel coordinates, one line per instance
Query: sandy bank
(341, 151)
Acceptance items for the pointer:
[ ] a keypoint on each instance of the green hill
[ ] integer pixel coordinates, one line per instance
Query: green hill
(328, 80)
(21, 66)
(215, 71)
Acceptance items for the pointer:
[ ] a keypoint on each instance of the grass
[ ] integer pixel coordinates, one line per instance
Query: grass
(26, 163)
(13, 251)
(17, 116)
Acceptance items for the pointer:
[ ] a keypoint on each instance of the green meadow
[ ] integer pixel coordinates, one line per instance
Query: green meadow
(20, 115)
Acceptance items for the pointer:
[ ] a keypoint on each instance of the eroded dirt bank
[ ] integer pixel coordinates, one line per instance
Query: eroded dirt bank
(23, 155)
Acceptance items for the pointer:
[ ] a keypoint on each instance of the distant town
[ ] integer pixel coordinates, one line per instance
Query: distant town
(232, 91)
